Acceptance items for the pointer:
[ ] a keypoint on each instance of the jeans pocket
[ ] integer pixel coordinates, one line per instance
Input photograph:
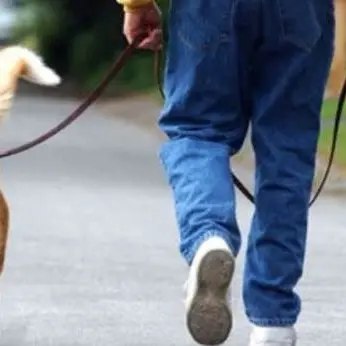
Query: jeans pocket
(202, 24)
(299, 23)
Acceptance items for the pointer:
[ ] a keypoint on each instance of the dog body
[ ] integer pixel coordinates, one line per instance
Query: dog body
(17, 62)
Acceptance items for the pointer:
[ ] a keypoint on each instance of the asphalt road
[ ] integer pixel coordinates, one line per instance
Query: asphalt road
(93, 258)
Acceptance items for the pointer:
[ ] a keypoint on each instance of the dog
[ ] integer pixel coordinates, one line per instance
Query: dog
(17, 62)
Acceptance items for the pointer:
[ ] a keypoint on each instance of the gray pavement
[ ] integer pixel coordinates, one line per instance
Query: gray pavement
(92, 257)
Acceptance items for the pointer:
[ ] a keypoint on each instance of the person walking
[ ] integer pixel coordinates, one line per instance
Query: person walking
(232, 65)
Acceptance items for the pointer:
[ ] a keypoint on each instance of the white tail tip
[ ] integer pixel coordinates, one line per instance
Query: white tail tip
(35, 70)
(19, 62)
(43, 75)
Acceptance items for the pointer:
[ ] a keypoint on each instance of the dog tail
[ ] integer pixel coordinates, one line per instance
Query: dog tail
(18, 62)
(30, 66)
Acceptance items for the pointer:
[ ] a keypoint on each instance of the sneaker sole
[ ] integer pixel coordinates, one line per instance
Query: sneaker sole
(209, 318)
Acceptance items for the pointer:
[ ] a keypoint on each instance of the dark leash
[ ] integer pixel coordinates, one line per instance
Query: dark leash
(337, 122)
(118, 65)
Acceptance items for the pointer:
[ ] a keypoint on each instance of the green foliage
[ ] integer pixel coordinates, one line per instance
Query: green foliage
(328, 117)
(81, 38)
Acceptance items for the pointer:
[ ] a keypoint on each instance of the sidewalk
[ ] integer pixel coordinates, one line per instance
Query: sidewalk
(87, 265)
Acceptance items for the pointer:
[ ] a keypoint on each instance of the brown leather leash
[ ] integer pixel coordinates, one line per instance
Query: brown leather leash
(118, 65)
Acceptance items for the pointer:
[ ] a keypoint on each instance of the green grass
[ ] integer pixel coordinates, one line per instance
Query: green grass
(328, 113)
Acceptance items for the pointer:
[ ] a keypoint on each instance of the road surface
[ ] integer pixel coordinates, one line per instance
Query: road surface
(92, 257)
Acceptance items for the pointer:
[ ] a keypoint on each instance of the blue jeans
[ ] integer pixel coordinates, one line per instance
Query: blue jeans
(232, 64)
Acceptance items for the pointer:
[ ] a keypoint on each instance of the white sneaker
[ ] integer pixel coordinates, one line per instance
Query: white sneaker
(209, 317)
(278, 336)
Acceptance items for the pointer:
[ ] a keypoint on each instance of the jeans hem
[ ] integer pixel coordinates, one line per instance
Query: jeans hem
(273, 322)
(190, 254)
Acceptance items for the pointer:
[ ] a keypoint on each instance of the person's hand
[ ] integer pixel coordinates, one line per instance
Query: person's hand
(144, 20)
